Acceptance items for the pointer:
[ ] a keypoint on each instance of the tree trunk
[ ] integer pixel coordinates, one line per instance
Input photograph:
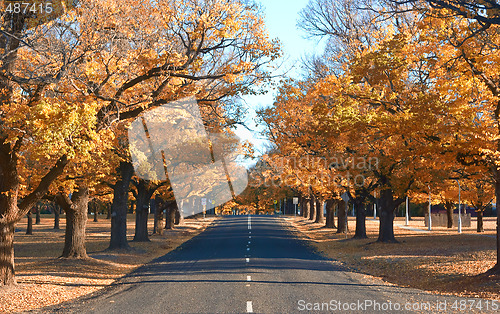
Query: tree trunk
(119, 208)
(37, 215)
(7, 274)
(177, 218)
(95, 209)
(143, 196)
(171, 209)
(330, 214)
(76, 220)
(305, 207)
(480, 227)
(159, 225)
(154, 210)
(312, 206)
(179, 214)
(57, 213)
(341, 217)
(386, 207)
(360, 221)
(29, 228)
(319, 210)
(141, 214)
(108, 211)
(449, 212)
(141, 224)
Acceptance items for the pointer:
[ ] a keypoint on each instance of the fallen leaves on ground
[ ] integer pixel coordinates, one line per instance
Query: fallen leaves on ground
(44, 280)
(441, 261)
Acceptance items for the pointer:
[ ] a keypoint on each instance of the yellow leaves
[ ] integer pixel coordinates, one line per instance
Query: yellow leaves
(58, 127)
(100, 46)
(397, 100)
(147, 57)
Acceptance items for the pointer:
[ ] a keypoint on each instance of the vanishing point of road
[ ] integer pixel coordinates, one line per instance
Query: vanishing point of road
(255, 264)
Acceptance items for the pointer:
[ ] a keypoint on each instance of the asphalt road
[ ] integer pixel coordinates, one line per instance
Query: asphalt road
(244, 264)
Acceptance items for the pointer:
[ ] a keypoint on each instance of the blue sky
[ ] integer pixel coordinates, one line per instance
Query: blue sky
(281, 19)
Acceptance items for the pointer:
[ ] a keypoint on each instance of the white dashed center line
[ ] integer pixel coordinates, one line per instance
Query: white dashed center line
(249, 278)
(249, 307)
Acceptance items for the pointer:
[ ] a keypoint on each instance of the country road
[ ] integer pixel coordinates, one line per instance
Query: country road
(244, 264)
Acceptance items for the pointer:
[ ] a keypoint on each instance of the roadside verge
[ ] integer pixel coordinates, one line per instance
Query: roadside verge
(440, 261)
(44, 280)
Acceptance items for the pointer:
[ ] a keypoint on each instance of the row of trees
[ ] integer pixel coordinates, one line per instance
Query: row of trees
(73, 79)
(404, 101)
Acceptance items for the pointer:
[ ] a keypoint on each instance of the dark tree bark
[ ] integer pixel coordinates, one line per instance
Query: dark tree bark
(95, 209)
(312, 208)
(161, 222)
(319, 210)
(7, 274)
(29, 228)
(141, 224)
(360, 221)
(409, 213)
(341, 217)
(330, 214)
(37, 215)
(304, 204)
(76, 210)
(480, 227)
(177, 218)
(448, 205)
(154, 204)
(387, 205)
(145, 191)
(108, 211)
(141, 211)
(57, 213)
(171, 209)
(119, 208)
(158, 222)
